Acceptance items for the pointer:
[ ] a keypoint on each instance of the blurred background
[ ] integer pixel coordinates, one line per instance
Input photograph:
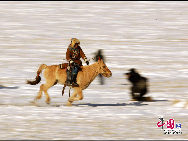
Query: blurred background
(150, 36)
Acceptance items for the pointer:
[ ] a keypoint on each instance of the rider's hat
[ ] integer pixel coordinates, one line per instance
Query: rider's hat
(74, 41)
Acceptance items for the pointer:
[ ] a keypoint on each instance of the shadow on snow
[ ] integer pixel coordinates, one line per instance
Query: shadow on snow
(4, 87)
(134, 103)
(117, 104)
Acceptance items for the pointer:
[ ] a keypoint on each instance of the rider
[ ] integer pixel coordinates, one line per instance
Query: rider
(73, 55)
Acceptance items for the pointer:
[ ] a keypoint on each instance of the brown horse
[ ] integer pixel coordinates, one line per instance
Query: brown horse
(53, 75)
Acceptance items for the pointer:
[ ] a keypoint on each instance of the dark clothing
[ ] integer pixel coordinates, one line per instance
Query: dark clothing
(75, 54)
(139, 84)
(72, 75)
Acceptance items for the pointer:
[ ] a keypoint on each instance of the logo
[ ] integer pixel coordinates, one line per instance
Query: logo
(171, 126)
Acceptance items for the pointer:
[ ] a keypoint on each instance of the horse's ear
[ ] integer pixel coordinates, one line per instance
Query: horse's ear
(99, 59)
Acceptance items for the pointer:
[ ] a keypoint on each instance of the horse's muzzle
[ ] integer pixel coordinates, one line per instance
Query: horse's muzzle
(109, 74)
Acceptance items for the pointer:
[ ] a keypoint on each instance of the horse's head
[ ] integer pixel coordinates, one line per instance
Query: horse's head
(104, 69)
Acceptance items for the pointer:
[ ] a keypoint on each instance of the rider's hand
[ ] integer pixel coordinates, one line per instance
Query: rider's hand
(87, 62)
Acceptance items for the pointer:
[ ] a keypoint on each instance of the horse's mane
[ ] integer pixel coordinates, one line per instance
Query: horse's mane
(94, 65)
(89, 73)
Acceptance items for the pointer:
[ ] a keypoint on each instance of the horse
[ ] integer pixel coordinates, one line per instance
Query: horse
(54, 74)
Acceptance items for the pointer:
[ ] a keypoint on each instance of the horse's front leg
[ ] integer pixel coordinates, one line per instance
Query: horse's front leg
(74, 98)
(71, 99)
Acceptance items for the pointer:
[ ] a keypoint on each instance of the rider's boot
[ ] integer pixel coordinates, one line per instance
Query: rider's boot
(74, 83)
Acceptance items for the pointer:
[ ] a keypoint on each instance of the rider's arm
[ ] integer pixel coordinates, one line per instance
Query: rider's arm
(84, 56)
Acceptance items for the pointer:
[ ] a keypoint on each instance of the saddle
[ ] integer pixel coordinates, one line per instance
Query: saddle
(63, 66)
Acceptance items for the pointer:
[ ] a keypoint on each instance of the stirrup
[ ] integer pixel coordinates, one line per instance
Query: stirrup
(68, 83)
(75, 84)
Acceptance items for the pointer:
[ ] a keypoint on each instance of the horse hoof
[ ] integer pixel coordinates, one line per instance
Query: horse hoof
(47, 102)
(35, 100)
(70, 100)
(69, 104)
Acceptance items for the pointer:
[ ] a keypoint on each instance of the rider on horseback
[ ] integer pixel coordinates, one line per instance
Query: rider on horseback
(73, 55)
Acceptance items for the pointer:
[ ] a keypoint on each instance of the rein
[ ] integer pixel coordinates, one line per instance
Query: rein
(64, 90)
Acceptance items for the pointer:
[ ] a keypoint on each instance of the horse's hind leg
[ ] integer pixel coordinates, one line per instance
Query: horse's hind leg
(44, 87)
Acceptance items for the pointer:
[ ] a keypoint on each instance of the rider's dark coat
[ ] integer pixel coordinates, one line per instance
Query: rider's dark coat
(75, 54)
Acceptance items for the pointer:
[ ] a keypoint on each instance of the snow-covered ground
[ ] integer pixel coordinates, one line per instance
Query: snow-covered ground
(149, 36)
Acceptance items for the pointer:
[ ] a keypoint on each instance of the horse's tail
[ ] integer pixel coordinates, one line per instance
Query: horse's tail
(38, 78)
